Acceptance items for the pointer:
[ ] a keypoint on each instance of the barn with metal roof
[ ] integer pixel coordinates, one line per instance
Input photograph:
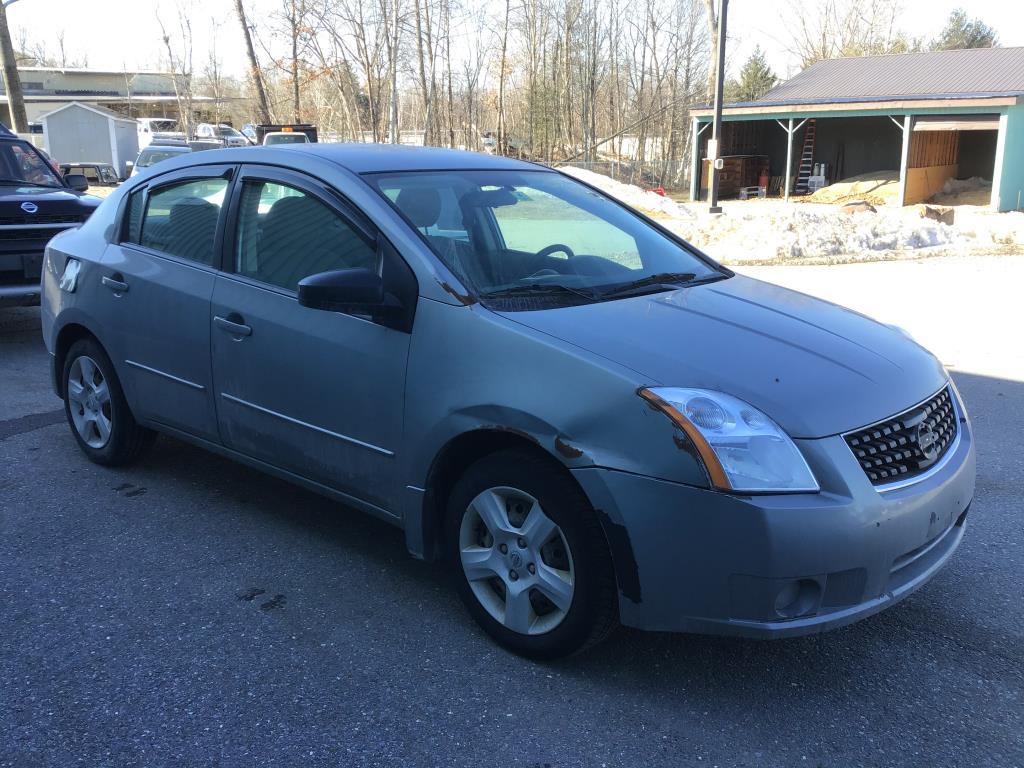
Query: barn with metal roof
(924, 118)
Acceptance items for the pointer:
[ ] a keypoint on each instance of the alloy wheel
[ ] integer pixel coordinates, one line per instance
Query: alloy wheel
(89, 402)
(517, 561)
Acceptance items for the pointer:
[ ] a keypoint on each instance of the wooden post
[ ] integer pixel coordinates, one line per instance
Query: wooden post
(695, 160)
(789, 158)
(908, 129)
(997, 172)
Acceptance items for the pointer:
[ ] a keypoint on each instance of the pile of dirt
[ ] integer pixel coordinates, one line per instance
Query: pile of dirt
(877, 188)
(972, 191)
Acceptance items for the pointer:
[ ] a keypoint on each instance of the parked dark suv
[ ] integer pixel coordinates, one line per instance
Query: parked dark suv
(36, 202)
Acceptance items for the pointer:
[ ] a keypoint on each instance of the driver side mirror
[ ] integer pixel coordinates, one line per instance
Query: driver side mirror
(77, 182)
(358, 291)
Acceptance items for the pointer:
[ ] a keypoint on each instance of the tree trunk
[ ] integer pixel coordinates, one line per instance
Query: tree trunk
(502, 138)
(262, 110)
(296, 105)
(12, 82)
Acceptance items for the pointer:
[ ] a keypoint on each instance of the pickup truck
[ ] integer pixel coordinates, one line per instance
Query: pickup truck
(261, 130)
(36, 203)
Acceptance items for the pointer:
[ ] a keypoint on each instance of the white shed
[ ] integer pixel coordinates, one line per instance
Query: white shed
(85, 133)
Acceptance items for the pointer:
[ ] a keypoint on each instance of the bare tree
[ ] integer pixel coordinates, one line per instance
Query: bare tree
(179, 63)
(846, 28)
(262, 109)
(502, 138)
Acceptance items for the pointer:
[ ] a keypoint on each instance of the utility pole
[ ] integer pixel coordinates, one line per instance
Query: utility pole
(714, 151)
(12, 82)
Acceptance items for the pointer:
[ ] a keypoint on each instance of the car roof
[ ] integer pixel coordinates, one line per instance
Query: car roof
(379, 158)
(183, 148)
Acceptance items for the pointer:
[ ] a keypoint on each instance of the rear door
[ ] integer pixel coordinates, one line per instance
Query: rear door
(159, 279)
(317, 393)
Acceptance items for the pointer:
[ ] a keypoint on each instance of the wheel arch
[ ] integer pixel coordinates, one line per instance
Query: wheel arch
(68, 334)
(452, 461)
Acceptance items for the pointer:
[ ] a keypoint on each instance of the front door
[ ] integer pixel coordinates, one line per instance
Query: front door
(314, 392)
(158, 280)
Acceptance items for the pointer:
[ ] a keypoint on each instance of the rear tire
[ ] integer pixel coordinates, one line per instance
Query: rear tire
(529, 558)
(96, 409)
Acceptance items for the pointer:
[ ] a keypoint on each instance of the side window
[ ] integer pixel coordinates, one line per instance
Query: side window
(285, 235)
(90, 173)
(181, 219)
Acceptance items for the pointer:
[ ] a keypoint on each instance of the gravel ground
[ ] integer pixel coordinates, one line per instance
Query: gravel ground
(192, 612)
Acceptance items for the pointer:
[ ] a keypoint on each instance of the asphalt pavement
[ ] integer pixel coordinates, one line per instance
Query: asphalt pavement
(192, 612)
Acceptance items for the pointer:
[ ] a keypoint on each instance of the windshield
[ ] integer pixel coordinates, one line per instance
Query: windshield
(226, 131)
(286, 138)
(537, 234)
(21, 164)
(163, 125)
(148, 157)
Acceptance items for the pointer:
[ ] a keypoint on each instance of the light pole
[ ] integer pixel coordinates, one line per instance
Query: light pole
(714, 151)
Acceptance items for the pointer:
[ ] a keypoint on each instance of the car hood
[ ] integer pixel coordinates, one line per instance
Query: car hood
(816, 368)
(49, 200)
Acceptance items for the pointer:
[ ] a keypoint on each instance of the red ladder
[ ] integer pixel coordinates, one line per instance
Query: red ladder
(806, 159)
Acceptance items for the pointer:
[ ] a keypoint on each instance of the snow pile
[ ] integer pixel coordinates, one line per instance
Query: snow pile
(641, 199)
(972, 191)
(773, 231)
(956, 186)
(766, 231)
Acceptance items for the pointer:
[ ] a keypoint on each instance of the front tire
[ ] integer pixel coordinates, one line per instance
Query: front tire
(96, 409)
(530, 560)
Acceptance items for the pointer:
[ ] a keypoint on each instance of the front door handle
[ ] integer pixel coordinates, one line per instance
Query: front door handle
(114, 284)
(232, 327)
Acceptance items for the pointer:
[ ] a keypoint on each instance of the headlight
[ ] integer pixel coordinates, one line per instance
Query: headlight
(743, 450)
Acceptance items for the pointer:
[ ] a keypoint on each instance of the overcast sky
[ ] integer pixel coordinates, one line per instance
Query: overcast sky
(118, 34)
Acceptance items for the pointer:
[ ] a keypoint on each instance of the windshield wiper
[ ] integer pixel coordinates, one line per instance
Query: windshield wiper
(660, 281)
(538, 289)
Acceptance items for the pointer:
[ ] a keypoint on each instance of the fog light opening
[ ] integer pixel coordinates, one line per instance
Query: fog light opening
(799, 597)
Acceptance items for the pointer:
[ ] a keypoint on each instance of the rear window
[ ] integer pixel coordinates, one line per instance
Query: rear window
(150, 156)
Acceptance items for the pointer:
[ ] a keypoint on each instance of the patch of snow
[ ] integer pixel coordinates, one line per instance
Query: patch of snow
(630, 194)
(772, 230)
(956, 186)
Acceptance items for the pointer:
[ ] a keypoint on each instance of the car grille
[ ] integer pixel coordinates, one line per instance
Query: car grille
(26, 240)
(906, 445)
(41, 219)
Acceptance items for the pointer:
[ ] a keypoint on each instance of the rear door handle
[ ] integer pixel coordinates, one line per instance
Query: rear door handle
(230, 326)
(117, 286)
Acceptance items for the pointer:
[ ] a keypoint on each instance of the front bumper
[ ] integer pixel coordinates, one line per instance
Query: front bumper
(694, 560)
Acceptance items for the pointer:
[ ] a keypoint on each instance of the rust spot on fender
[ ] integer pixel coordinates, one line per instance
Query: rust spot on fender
(462, 298)
(567, 450)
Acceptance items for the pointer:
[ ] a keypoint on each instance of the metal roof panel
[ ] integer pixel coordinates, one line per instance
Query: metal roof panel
(975, 72)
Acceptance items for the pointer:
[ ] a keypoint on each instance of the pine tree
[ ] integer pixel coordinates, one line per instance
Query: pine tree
(961, 32)
(755, 80)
